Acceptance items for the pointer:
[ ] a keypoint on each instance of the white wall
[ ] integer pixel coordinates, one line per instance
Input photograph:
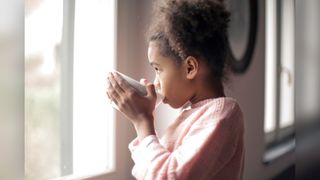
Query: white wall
(307, 88)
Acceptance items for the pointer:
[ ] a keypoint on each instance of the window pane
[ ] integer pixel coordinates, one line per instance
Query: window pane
(43, 30)
(271, 67)
(93, 119)
(279, 86)
(287, 65)
(51, 151)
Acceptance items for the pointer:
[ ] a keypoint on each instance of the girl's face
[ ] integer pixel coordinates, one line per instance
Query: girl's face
(170, 78)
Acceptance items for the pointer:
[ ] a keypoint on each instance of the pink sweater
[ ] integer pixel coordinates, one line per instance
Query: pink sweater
(205, 142)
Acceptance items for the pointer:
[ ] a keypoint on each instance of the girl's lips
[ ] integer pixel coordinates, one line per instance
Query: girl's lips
(164, 100)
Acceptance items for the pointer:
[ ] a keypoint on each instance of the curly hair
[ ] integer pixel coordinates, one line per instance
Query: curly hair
(196, 28)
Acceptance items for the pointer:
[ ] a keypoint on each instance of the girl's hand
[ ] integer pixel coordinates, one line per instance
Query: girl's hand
(138, 109)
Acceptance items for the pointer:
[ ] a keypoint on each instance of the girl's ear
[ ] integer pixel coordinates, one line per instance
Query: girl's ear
(191, 67)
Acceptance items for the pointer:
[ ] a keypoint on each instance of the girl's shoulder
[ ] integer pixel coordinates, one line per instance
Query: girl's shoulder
(221, 104)
(228, 104)
(217, 109)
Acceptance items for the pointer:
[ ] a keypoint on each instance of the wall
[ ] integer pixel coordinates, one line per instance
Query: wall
(307, 88)
(248, 89)
(132, 61)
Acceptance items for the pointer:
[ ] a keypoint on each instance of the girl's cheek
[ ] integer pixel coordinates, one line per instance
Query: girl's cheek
(156, 80)
(156, 83)
(159, 85)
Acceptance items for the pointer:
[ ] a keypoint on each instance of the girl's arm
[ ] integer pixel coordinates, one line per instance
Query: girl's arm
(138, 109)
(207, 148)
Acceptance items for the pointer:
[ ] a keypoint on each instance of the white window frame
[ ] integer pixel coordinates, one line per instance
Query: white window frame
(121, 130)
(66, 99)
(119, 144)
(279, 46)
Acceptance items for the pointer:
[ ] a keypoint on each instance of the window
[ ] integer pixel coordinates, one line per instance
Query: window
(94, 55)
(279, 87)
(69, 48)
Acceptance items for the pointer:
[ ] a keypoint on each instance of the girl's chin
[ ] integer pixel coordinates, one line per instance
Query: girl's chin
(175, 106)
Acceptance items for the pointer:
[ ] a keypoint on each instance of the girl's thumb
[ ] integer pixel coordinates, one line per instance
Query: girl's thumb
(144, 81)
(151, 90)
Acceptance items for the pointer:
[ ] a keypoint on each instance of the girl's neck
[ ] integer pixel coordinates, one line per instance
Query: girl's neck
(212, 91)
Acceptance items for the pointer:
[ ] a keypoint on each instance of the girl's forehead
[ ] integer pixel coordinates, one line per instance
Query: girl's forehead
(153, 48)
(153, 53)
(156, 58)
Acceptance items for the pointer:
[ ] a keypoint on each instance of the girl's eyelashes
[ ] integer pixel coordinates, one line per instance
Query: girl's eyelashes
(156, 69)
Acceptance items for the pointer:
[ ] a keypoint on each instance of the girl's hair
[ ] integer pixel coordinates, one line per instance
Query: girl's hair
(198, 28)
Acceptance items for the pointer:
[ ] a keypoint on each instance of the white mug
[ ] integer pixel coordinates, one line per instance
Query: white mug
(141, 89)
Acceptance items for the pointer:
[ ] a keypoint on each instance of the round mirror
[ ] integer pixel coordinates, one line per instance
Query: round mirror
(241, 33)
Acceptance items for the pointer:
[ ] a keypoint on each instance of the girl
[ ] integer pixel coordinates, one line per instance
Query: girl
(187, 49)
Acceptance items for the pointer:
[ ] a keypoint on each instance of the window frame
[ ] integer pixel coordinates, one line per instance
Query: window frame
(67, 65)
(123, 133)
(279, 141)
(66, 100)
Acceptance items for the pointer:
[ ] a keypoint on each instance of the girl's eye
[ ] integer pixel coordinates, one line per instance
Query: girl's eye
(156, 69)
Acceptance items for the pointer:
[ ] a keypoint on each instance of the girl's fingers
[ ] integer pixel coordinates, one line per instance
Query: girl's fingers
(113, 91)
(151, 90)
(125, 86)
(114, 97)
(115, 85)
(144, 82)
(149, 86)
(109, 98)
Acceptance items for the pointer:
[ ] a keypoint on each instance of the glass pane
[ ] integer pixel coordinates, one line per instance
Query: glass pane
(287, 63)
(89, 149)
(43, 30)
(271, 68)
(93, 119)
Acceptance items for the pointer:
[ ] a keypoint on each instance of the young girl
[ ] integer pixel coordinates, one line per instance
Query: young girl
(187, 49)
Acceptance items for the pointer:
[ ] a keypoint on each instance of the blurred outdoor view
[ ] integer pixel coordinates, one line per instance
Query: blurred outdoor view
(69, 127)
(43, 32)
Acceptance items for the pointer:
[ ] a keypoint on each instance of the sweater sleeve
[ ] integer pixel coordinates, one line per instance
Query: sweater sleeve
(206, 148)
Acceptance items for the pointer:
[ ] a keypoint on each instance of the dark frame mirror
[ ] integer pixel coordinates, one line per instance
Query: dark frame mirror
(242, 33)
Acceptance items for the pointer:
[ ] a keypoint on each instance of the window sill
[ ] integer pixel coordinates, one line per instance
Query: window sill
(278, 151)
(88, 176)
